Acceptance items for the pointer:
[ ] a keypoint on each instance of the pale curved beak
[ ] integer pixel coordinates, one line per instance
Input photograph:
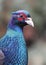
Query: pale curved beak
(29, 21)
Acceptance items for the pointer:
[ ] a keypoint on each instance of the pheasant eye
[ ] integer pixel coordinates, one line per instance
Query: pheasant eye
(21, 16)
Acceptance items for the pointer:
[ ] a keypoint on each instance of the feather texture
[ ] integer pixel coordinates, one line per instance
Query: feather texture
(14, 48)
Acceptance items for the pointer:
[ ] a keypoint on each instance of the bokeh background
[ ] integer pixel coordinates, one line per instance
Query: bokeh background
(37, 9)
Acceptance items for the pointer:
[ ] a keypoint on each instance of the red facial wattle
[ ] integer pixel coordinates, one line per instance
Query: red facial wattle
(22, 17)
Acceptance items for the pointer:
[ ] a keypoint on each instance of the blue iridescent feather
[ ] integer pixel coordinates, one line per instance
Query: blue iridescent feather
(14, 48)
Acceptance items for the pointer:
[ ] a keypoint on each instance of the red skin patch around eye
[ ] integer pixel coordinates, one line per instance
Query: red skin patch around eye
(24, 17)
(20, 19)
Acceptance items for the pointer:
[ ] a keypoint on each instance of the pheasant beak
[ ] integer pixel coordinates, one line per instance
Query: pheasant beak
(29, 21)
